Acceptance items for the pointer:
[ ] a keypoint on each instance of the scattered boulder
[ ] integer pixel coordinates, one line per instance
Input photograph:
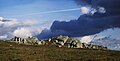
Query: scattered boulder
(28, 41)
(60, 40)
(42, 42)
(73, 43)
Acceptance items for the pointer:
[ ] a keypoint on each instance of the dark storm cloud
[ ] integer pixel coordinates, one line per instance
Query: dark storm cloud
(88, 24)
(83, 2)
(112, 6)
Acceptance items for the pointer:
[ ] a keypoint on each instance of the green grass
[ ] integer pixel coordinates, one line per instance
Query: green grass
(18, 52)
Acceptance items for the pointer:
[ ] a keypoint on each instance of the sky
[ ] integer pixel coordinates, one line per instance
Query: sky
(42, 14)
(33, 9)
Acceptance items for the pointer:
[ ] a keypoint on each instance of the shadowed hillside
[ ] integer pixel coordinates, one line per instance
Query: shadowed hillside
(10, 51)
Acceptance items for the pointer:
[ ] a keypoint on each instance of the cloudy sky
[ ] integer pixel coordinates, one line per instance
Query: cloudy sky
(39, 9)
(44, 12)
(60, 17)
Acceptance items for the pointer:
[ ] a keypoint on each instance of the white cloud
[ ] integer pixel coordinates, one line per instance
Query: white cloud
(22, 28)
(1, 18)
(36, 30)
(1, 22)
(11, 24)
(3, 36)
(91, 10)
(22, 32)
(101, 10)
(29, 22)
(25, 32)
(84, 10)
(86, 39)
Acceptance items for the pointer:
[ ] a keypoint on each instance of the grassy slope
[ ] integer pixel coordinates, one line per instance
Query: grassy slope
(16, 52)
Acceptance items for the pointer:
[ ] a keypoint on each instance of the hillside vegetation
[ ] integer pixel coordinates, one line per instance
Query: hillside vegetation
(10, 51)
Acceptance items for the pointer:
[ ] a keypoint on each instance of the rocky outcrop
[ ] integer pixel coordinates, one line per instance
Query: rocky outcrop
(65, 41)
(59, 41)
(19, 40)
(28, 41)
